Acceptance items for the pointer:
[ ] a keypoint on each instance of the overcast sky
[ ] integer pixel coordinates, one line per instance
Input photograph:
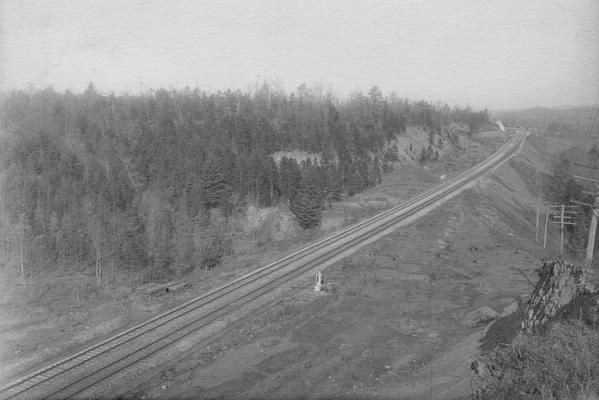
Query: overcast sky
(493, 53)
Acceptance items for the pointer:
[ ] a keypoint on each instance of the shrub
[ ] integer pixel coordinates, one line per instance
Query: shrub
(218, 247)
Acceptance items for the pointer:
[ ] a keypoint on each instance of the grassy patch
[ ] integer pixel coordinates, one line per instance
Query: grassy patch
(561, 363)
(503, 331)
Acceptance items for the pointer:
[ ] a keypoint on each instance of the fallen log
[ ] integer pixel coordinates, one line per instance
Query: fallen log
(160, 289)
(177, 286)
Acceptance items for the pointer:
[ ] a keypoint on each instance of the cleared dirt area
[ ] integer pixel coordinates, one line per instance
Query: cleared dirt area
(392, 323)
(396, 318)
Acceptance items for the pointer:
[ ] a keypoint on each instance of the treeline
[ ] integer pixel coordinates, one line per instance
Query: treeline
(149, 181)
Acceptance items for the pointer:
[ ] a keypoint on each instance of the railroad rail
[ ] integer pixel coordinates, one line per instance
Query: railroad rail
(74, 374)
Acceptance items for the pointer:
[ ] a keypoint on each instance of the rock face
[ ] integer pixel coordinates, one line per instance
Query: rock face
(559, 283)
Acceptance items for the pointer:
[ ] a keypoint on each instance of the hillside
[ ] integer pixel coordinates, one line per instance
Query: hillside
(58, 313)
(400, 319)
(101, 183)
(103, 195)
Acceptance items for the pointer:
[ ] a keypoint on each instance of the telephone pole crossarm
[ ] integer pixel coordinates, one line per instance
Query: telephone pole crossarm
(585, 166)
(581, 203)
(582, 178)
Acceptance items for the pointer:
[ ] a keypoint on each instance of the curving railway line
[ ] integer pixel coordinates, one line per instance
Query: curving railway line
(74, 375)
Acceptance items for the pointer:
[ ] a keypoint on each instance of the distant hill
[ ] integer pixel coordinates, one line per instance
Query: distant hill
(570, 119)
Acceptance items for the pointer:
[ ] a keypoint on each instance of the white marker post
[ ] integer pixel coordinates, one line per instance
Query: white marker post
(318, 285)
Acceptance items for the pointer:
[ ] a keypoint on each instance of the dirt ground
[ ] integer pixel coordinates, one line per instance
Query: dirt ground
(391, 323)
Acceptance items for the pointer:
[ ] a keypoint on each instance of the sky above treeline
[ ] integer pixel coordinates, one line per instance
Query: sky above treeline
(500, 54)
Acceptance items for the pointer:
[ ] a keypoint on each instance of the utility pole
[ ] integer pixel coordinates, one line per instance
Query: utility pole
(563, 215)
(546, 225)
(561, 230)
(592, 230)
(537, 225)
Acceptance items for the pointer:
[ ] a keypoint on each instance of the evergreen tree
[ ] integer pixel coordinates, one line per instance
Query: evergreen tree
(422, 157)
(307, 206)
(387, 166)
(270, 181)
(376, 171)
(133, 251)
(216, 192)
(335, 188)
(290, 177)
(355, 182)
(429, 153)
(562, 186)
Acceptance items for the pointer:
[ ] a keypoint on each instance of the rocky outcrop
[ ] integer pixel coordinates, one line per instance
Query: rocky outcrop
(562, 293)
(559, 284)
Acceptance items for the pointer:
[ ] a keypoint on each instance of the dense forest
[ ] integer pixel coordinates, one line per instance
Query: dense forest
(147, 182)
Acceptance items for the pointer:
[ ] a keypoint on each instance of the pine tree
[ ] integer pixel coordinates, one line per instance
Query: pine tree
(387, 166)
(216, 192)
(335, 189)
(422, 158)
(271, 180)
(355, 182)
(376, 171)
(429, 153)
(290, 177)
(307, 206)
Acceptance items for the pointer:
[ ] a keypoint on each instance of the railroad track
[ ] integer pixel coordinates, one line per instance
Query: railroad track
(73, 375)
